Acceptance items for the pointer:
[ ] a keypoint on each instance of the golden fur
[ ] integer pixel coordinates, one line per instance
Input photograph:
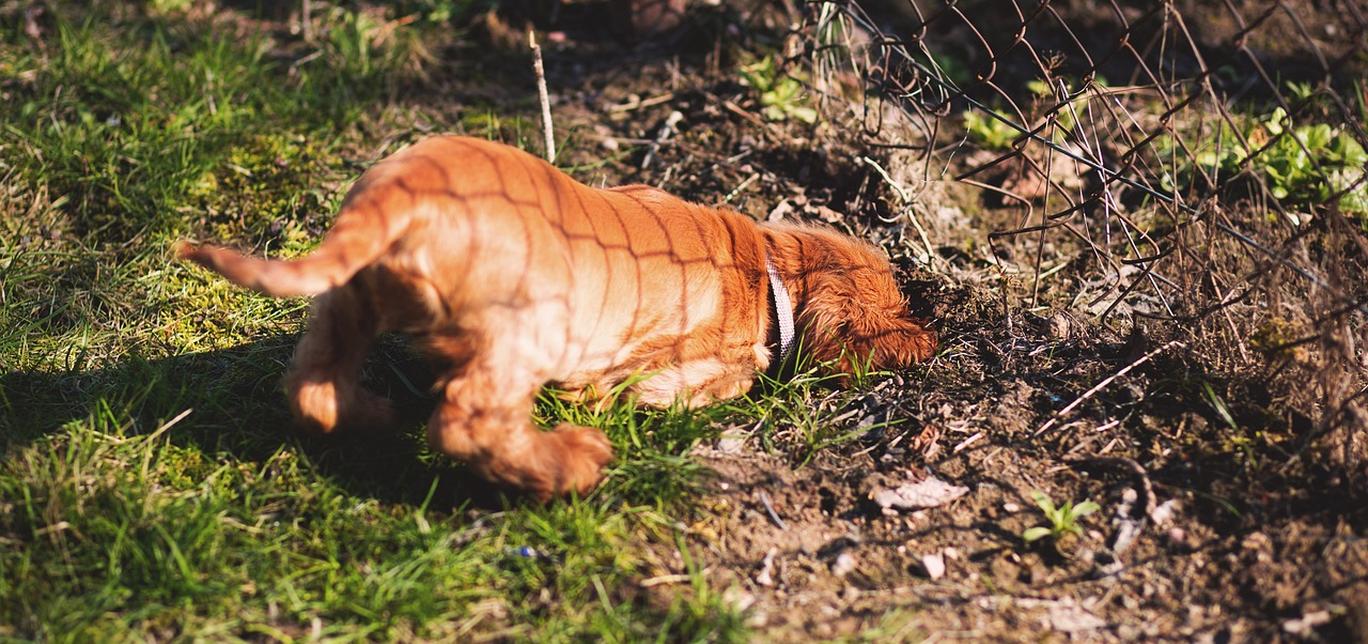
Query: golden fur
(514, 275)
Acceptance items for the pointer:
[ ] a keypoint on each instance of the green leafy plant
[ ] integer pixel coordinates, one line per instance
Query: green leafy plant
(1064, 519)
(1301, 164)
(988, 132)
(1065, 115)
(781, 94)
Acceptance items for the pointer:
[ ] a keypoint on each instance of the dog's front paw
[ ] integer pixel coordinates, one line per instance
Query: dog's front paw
(576, 459)
(314, 404)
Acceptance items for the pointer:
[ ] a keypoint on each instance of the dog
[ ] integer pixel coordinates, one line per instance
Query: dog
(513, 276)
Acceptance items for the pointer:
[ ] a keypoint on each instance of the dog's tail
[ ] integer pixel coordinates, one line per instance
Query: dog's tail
(361, 235)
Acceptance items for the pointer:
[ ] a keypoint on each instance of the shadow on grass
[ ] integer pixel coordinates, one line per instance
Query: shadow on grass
(238, 411)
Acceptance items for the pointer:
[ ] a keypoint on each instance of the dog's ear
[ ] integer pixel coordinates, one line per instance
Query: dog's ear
(901, 342)
(853, 328)
(854, 313)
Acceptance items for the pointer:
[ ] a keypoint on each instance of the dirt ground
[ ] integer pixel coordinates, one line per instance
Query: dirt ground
(1218, 521)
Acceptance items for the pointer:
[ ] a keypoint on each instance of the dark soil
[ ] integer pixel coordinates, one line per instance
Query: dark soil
(1240, 531)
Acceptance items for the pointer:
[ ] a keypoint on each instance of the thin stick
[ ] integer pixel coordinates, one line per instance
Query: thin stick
(671, 579)
(306, 20)
(666, 131)
(737, 190)
(547, 132)
(169, 424)
(769, 509)
(638, 103)
(1102, 385)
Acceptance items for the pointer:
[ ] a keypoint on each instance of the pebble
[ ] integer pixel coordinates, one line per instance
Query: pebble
(844, 564)
(766, 576)
(1165, 512)
(1307, 622)
(934, 564)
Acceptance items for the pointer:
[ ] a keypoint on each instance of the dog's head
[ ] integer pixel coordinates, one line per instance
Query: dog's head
(849, 309)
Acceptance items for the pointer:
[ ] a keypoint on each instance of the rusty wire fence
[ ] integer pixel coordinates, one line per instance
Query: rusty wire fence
(1198, 163)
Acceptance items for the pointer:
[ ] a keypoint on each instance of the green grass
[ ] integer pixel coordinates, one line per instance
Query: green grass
(150, 485)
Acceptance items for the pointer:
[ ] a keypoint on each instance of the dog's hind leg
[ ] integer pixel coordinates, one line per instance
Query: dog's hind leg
(323, 383)
(485, 419)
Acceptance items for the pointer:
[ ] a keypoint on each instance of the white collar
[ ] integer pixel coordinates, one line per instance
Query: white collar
(783, 311)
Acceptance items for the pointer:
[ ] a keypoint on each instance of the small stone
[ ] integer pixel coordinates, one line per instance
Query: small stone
(1164, 513)
(609, 144)
(934, 564)
(738, 599)
(1010, 508)
(766, 577)
(731, 442)
(844, 564)
(1061, 326)
(1070, 618)
(1260, 545)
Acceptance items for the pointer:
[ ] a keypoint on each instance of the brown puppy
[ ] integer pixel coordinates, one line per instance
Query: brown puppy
(516, 275)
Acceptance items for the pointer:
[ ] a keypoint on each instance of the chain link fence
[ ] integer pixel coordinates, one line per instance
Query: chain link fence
(1193, 164)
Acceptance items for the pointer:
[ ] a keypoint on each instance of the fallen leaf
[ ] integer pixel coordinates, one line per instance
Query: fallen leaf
(930, 492)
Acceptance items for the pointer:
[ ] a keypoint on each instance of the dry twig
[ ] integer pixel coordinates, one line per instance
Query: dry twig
(547, 132)
(666, 131)
(1103, 385)
(769, 509)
